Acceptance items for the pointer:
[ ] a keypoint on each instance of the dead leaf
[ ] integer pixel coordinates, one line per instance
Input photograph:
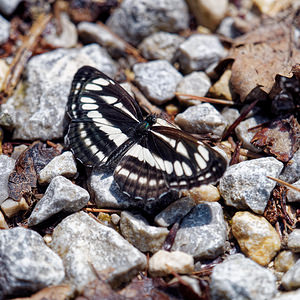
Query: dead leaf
(262, 54)
(279, 137)
(24, 177)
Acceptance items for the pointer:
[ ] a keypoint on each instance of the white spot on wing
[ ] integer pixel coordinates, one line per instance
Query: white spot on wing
(101, 81)
(133, 177)
(94, 149)
(94, 114)
(170, 141)
(169, 167)
(200, 161)
(109, 99)
(187, 170)
(88, 142)
(83, 134)
(87, 100)
(89, 106)
(159, 161)
(204, 152)
(142, 180)
(93, 87)
(148, 157)
(178, 168)
(118, 139)
(180, 148)
(124, 172)
(152, 182)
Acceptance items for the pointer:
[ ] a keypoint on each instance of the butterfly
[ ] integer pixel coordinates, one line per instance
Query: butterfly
(150, 156)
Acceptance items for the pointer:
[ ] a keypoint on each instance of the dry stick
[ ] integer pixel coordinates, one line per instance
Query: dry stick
(284, 183)
(23, 54)
(90, 209)
(205, 99)
(128, 48)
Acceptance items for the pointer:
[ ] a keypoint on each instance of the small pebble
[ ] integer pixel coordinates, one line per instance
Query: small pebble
(294, 295)
(285, 260)
(163, 263)
(221, 88)
(291, 172)
(200, 51)
(18, 150)
(63, 164)
(205, 192)
(3, 224)
(291, 279)
(230, 115)
(227, 28)
(294, 241)
(7, 165)
(157, 80)
(115, 219)
(245, 185)
(293, 195)
(202, 118)
(4, 32)
(11, 207)
(139, 233)
(256, 237)
(7, 7)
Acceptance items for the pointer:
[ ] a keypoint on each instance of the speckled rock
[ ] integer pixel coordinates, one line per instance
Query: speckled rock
(7, 7)
(208, 13)
(244, 135)
(201, 118)
(157, 80)
(163, 263)
(135, 20)
(139, 233)
(291, 279)
(61, 195)
(200, 51)
(174, 212)
(245, 185)
(38, 111)
(4, 32)
(205, 192)
(80, 240)
(230, 114)
(63, 164)
(285, 260)
(27, 264)
(161, 45)
(240, 278)
(196, 83)
(202, 232)
(291, 172)
(294, 241)
(293, 195)
(11, 207)
(256, 237)
(7, 165)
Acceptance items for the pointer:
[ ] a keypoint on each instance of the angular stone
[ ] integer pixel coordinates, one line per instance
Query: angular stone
(291, 279)
(81, 241)
(7, 165)
(230, 114)
(240, 278)
(245, 135)
(4, 32)
(294, 241)
(136, 230)
(293, 195)
(245, 185)
(228, 29)
(27, 264)
(63, 164)
(174, 212)
(40, 113)
(61, 195)
(205, 192)
(221, 88)
(196, 83)
(18, 150)
(163, 263)
(135, 20)
(3, 224)
(157, 80)
(256, 237)
(200, 51)
(202, 232)
(291, 172)
(285, 260)
(161, 45)
(202, 118)
(11, 207)
(7, 7)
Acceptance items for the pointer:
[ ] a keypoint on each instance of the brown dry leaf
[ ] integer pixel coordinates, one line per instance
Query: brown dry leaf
(279, 137)
(262, 54)
(24, 177)
(50, 293)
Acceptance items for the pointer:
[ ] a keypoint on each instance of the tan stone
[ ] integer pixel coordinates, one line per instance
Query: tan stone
(11, 207)
(221, 88)
(256, 237)
(3, 224)
(285, 260)
(202, 193)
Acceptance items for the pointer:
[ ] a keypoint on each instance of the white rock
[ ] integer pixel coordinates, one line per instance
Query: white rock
(11, 207)
(63, 164)
(294, 241)
(291, 279)
(291, 172)
(293, 195)
(7, 7)
(4, 32)
(163, 263)
(7, 165)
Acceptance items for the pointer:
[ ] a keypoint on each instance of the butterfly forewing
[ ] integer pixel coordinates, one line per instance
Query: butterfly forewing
(152, 155)
(102, 115)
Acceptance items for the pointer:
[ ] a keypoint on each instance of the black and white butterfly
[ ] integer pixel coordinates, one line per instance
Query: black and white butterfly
(151, 156)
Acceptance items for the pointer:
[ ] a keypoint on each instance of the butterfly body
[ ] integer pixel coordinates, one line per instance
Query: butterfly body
(151, 156)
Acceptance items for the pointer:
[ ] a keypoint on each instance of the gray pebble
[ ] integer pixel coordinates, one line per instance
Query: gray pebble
(294, 295)
(291, 172)
(240, 278)
(202, 118)
(161, 45)
(227, 28)
(90, 249)
(137, 231)
(200, 51)
(40, 114)
(230, 115)
(294, 241)
(4, 30)
(202, 232)
(293, 195)
(135, 20)
(63, 164)
(61, 195)
(245, 185)
(7, 165)
(157, 80)
(291, 279)
(7, 7)
(27, 264)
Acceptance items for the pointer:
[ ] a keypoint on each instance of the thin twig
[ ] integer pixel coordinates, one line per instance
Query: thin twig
(104, 210)
(284, 183)
(22, 56)
(205, 99)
